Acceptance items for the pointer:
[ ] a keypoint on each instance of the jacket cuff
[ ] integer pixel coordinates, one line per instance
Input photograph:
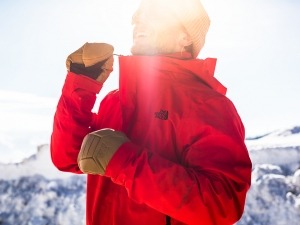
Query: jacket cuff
(77, 81)
(120, 168)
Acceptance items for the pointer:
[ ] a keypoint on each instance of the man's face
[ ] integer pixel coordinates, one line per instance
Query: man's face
(155, 30)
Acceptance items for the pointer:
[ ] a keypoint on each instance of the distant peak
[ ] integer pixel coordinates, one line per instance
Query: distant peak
(295, 130)
(257, 137)
(280, 133)
(291, 131)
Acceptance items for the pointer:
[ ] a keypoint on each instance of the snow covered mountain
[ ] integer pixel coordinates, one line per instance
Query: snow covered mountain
(33, 192)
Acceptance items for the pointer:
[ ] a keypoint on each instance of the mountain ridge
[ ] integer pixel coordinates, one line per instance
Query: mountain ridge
(34, 192)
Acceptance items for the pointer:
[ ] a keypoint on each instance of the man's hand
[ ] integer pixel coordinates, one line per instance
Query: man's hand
(94, 60)
(98, 148)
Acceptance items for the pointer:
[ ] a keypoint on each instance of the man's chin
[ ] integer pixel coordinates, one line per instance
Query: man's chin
(142, 50)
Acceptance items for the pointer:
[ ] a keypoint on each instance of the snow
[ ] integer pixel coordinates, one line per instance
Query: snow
(276, 139)
(274, 196)
(34, 192)
(36, 200)
(39, 163)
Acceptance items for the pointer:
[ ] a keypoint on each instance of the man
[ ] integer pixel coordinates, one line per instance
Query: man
(168, 146)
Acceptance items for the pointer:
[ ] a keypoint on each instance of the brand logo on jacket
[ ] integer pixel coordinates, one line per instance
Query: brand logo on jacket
(162, 114)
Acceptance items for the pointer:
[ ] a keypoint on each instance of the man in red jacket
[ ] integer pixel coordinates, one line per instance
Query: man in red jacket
(167, 147)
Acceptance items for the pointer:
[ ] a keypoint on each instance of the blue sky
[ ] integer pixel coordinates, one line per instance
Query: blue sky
(256, 43)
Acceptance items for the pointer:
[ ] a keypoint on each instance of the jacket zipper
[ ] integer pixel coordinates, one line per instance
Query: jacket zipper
(168, 220)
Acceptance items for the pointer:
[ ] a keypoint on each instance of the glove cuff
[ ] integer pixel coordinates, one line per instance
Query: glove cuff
(91, 71)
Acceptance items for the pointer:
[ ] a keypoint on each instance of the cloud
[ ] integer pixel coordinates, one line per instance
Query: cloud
(25, 112)
(26, 122)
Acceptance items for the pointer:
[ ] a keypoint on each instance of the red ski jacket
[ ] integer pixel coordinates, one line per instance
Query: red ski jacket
(186, 163)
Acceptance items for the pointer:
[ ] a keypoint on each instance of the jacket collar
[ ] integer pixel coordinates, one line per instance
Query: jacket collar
(203, 69)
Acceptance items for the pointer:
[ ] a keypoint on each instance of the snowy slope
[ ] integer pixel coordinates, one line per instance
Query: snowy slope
(274, 197)
(35, 192)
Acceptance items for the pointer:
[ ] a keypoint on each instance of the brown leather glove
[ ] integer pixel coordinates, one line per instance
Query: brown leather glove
(98, 148)
(94, 60)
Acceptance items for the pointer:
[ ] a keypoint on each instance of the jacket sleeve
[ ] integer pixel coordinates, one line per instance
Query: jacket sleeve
(72, 120)
(208, 187)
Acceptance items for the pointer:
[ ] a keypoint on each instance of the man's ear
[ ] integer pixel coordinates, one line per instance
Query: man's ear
(184, 40)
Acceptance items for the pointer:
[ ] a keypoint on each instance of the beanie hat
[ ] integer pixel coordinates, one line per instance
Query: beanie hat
(191, 15)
